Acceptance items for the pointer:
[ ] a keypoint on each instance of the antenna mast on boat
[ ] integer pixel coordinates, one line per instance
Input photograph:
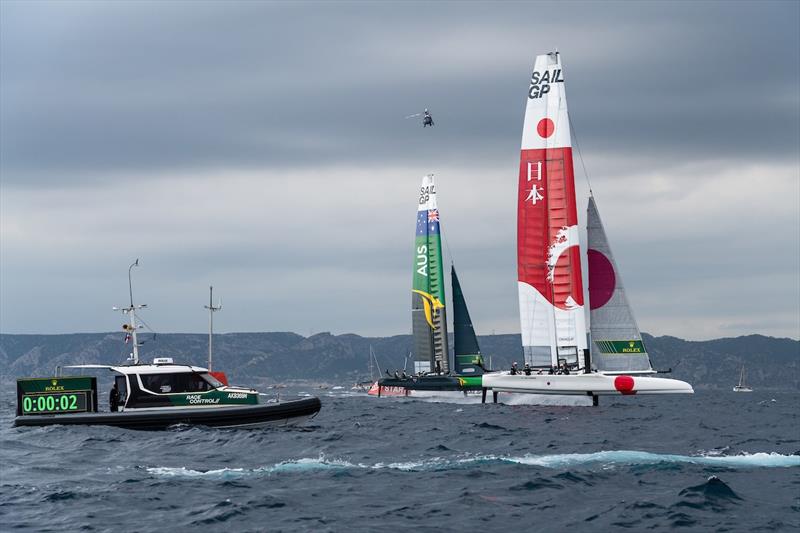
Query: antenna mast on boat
(211, 310)
(132, 327)
(371, 372)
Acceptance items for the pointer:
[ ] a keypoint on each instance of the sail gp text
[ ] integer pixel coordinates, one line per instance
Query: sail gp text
(425, 193)
(540, 83)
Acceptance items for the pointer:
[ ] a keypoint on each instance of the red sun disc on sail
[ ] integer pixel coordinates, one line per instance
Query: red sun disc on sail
(545, 128)
(566, 275)
(624, 384)
(602, 280)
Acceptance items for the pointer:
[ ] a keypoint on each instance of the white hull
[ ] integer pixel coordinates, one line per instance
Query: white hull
(584, 384)
(742, 389)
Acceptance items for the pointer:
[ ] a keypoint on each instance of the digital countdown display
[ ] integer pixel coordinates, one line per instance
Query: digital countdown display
(56, 396)
(62, 402)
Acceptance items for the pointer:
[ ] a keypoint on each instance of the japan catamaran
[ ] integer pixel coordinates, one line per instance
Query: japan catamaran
(550, 281)
(151, 396)
(433, 374)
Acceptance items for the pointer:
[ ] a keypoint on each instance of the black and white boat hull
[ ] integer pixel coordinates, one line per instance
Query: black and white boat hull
(247, 416)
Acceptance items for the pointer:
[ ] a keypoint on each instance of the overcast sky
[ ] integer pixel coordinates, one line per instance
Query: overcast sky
(262, 148)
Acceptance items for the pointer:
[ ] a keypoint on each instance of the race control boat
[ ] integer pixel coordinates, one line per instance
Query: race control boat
(151, 396)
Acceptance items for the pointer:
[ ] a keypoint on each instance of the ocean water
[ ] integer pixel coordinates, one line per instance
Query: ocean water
(712, 461)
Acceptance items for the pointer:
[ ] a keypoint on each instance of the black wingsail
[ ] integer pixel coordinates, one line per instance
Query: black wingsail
(468, 359)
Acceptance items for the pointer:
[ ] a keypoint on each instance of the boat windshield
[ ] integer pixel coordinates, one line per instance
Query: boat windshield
(213, 381)
(179, 382)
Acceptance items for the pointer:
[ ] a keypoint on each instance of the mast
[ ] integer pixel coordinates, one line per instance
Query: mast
(428, 318)
(132, 327)
(552, 320)
(369, 362)
(211, 310)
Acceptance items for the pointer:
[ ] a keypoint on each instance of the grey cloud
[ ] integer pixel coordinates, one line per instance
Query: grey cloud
(125, 86)
(107, 110)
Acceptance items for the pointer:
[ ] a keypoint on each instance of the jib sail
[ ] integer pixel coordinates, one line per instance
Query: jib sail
(468, 359)
(617, 344)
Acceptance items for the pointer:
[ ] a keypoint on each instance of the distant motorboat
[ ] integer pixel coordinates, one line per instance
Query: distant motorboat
(741, 387)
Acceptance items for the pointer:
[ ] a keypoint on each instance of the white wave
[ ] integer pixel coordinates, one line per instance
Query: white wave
(297, 465)
(408, 466)
(603, 459)
(182, 471)
(456, 397)
(505, 398)
(628, 457)
(542, 399)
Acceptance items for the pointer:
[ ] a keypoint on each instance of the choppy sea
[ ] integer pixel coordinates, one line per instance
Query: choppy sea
(712, 461)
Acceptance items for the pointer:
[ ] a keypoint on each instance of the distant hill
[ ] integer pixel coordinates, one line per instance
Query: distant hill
(771, 363)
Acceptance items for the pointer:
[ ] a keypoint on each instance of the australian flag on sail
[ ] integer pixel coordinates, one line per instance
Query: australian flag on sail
(428, 222)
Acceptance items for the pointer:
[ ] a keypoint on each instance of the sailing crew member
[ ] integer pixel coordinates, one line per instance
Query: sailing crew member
(514, 368)
(527, 369)
(113, 398)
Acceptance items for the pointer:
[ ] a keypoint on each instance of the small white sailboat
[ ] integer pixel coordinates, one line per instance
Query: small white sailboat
(363, 385)
(550, 281)
(741, 387)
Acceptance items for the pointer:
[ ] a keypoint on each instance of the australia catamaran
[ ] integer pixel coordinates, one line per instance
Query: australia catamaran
(432, 374)
(550, 281)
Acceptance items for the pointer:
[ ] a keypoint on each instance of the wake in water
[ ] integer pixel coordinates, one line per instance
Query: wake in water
(504, 398)
(590, 461)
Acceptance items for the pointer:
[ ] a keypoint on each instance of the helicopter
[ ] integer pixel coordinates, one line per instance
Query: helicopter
(427, 119)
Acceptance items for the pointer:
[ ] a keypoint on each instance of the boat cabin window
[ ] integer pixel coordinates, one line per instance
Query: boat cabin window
(122, 388)
(171, 383)
(215, 383)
